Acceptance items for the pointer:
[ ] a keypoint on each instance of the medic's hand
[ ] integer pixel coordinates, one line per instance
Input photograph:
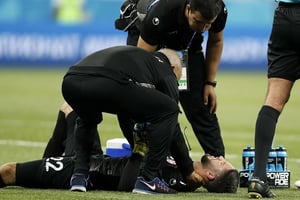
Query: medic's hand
(210, 98)
(194, 180)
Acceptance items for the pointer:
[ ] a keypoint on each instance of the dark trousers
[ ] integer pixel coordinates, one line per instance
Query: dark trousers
(205, 125)
(89, 96)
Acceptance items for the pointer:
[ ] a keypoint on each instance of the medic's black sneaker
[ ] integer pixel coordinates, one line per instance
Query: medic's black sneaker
(259, 189)
(156, 186)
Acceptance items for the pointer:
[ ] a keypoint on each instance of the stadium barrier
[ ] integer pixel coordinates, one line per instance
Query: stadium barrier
(30, 37)
(51, 44)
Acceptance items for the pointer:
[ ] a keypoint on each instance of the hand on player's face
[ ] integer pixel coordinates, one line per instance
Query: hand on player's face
(218, 163)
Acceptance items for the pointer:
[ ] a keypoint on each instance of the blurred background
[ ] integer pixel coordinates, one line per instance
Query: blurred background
(53, 33)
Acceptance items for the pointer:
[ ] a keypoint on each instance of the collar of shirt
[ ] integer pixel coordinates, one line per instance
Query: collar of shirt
(288, 1)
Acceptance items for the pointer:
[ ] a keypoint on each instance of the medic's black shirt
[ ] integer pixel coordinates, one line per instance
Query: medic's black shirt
(165, 25)
(128, 63)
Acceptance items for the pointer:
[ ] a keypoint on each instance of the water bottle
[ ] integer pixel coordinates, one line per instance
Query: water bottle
(248, 158)
(281, 158)
(272, 160)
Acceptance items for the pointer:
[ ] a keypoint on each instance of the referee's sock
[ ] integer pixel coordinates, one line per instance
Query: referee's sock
(264, 134)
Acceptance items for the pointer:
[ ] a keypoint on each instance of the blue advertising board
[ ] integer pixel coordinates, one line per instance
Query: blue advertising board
(46, 43)
(52, 45)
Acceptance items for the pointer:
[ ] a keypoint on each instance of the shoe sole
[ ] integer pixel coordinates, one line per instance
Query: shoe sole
(78, 188)
(254, 195)
(139, 191)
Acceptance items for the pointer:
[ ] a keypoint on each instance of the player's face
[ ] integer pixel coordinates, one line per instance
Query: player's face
(197, 22)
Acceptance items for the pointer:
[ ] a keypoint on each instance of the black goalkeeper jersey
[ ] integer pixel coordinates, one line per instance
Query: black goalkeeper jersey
(104, 174)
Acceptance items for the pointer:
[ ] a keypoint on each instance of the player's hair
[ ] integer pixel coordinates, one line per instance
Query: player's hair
(208, 8)
(225, 183)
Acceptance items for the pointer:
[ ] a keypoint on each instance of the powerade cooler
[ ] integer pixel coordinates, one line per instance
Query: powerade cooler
(278, 176)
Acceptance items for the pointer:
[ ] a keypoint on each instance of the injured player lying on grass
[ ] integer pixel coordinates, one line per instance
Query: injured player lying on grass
(107, 173)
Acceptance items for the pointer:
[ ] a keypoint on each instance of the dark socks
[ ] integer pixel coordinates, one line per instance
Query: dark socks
(130, 173)
(55, 145)
(2, 184)
(69, 141)
(264, 134)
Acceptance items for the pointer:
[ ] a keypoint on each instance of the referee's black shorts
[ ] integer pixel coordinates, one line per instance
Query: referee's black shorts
(284, 43)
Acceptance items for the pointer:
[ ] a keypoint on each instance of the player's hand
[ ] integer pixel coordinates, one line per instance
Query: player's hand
(210, 98)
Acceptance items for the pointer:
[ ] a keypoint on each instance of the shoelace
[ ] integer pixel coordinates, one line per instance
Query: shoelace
(86, 180)
(163, 185)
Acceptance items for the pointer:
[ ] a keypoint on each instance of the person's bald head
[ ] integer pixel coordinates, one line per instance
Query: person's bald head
(174, 60)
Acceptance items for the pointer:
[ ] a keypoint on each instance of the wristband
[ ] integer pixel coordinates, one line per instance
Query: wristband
(211, 83)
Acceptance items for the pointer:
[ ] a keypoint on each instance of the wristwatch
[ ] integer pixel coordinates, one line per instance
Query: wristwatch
(212, 83)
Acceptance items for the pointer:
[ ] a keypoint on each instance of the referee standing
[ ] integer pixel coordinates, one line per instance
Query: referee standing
(283, 71)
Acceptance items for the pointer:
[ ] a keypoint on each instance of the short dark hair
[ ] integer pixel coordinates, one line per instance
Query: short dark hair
(225, 183)
(208, 8)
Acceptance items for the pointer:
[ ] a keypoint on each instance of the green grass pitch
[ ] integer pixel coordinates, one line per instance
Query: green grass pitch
(29, 103)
